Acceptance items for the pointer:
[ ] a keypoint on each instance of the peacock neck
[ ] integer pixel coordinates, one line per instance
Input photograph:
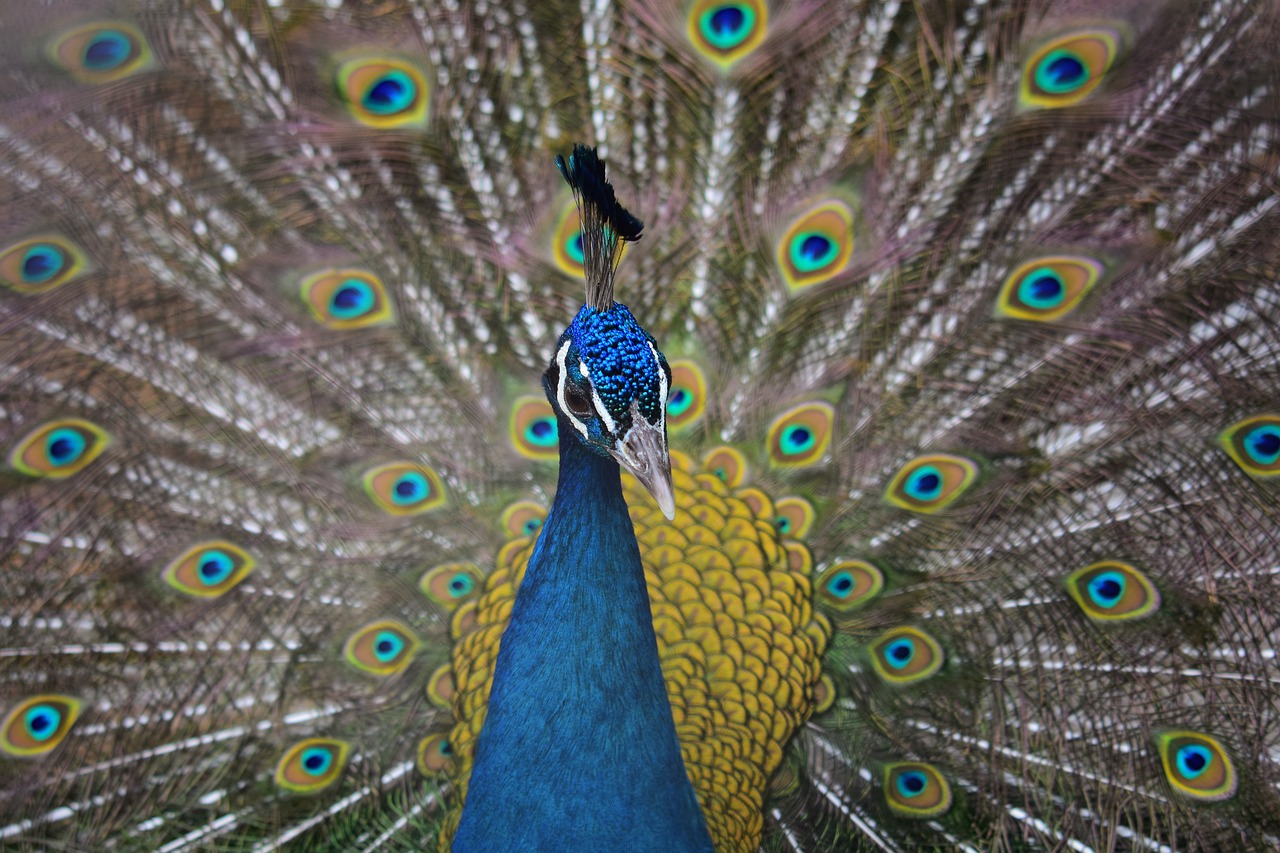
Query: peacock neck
(578, 751)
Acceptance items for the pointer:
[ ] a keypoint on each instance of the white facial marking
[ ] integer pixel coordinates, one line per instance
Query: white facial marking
(662, 391)
(564, 406)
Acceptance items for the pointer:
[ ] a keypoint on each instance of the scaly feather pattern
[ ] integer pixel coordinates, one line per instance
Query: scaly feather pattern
(968, 327)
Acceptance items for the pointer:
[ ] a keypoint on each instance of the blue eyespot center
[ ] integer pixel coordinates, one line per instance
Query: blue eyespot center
(841, 584)
(912, 783)
(797, 439)
(106, 51)
(214, 567)
(393, 92)
(40, 264)
(899, 653)
(727, 26)
(811, 251)
(410, 488)
(573, 247)
(64, 446)
(925, 484)
(1263, 444)
(387, 645)
(679, 402)
(42, 721)
(353, 298)
(542, 432)
(783, 524)
(316, 761)
(1061, 72)
(1042, 289)
(1193, 760)
(1107, 588)
(531, 526)
(461, 585)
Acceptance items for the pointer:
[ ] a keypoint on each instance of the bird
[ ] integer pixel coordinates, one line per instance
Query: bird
(929, 349)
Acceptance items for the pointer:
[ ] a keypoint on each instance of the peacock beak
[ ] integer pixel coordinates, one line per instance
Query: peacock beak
(643, 452)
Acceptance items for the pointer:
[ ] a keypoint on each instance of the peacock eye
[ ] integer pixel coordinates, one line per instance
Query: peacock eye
(209, 569)
(383, 648)
(914, 789)
(404, 488)
(1197, 765)
(102, 52)
(817, 245)
(384, 93)
(346, 298)
(906, 655)
(311, 765)
(1047, 288)
(435, 755)
(1064, 70)
(38, 724)
(1254, 444)
(687, 397)
(850, 584)
(577, 402)
(533, 429)
(929, 483)
(725, 32)
(1112, 591)
(59, 448)
(40, 264)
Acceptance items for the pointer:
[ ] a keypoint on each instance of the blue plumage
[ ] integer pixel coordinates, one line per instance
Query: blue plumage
(578, 750)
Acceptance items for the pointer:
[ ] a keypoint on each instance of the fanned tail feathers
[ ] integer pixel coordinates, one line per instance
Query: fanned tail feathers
(974, 333)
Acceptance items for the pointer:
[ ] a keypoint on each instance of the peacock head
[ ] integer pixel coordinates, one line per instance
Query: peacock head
(608, 382)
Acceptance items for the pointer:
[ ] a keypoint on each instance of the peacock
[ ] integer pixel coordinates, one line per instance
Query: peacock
(907, 477)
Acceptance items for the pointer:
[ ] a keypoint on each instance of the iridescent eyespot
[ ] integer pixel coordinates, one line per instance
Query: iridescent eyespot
(1111, 591)
(1196, 765)
(566, 242)
(39, 264)
(346, 298)
(930, 483)
(817, 246)
(915, 789)
(1047, 288)
(906, 655)
(404, 488)
(38, 724)
(794, 517)
(523, 518)
(58, 448)
(102, 52)
(725, 31)
(850, 584)
(209, 569)
(800, 436)
(311, 765)
(727, 464)
(384, 93)
(533, 429)
(451, 584)
(382, 648)
(441, 688)
(1254, 445)
(1064, 70)
(687, 397)
(435, 755)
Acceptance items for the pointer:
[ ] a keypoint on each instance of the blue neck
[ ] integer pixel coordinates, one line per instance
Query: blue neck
(578, 751)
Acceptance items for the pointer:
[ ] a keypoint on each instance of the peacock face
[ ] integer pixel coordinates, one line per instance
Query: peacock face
(609, 382)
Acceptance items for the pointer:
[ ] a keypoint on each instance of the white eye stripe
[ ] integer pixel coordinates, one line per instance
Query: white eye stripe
(662, 391)
(564, 406)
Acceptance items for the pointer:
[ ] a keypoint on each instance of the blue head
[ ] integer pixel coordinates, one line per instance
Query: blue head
(608, 383)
